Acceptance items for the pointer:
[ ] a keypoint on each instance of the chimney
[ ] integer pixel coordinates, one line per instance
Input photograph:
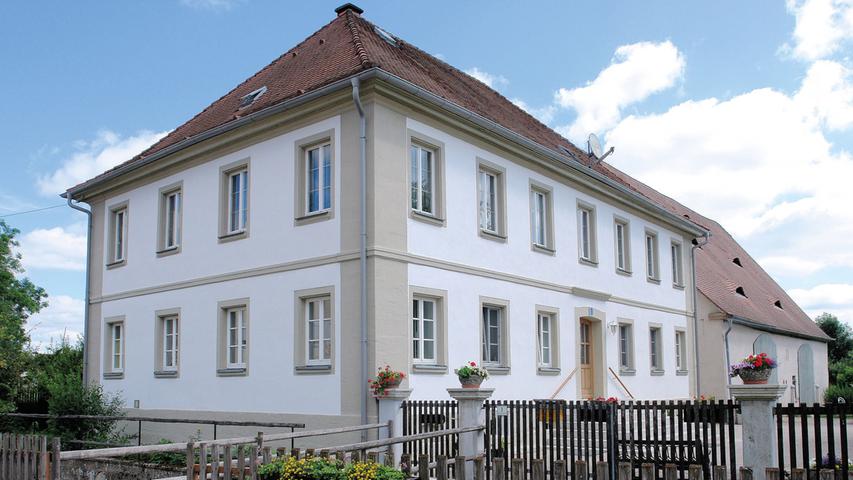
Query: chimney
(348, 6)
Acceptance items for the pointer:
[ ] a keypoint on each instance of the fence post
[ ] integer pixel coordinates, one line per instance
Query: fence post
(55, 467)
(759, 432)
(470, 413)
(391, 412)
(190, 461)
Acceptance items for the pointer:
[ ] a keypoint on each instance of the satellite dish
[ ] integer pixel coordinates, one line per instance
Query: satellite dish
(594, 146)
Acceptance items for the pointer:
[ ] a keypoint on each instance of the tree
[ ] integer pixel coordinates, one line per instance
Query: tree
(841, 346)
(19, 298)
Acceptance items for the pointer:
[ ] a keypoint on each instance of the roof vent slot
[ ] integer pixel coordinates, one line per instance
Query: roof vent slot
(385, 36)
(736, 261)
(778, 304)
(250, 98)
(740, 291)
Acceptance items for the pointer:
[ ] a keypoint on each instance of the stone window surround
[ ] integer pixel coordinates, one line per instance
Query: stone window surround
(626, 229)
(300, 355)
(224, 174)
(630, 369)
(159, 317)
(438, 216)
(222, 369)
(500, 180)
(554, 313)
(440, 298)
(112, 210)
(548, 191)
(162, 216)
(109, 374)
(300, 175)
(593, 234)
(504, 367)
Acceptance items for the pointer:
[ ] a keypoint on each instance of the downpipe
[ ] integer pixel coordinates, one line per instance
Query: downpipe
(696, 245)
(356, 98)
(88, 293)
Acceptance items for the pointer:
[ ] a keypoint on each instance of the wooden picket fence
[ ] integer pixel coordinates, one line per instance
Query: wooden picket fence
(27, 457)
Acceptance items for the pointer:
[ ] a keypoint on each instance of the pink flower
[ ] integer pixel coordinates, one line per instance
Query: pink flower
(473, 364)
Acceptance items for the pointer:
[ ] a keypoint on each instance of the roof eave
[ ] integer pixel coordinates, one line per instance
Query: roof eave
(771, 329)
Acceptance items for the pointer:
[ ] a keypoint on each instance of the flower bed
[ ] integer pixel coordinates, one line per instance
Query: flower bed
(315, 468)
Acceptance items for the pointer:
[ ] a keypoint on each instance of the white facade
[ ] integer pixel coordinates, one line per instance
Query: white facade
(281, 254)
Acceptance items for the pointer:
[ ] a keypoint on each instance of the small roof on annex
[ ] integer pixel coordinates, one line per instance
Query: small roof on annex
(350, 44)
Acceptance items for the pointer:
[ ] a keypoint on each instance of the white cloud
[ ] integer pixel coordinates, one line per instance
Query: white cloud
(822, 27)
(63, 317)
(217, 5)
(834, 298)
(760, 162)
(91, 158)
(496, 82)
(635, 72)
(785, 265)
(57, 248)
(544, 114)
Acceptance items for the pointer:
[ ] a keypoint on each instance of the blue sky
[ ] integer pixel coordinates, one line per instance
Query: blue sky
(742, 110)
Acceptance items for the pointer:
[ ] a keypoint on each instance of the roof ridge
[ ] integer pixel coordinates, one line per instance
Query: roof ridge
(356, 40)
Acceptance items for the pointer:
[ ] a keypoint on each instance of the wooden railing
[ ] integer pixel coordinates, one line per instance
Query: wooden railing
(28, 457)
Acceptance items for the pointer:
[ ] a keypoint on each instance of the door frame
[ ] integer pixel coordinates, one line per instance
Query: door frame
(597, 320)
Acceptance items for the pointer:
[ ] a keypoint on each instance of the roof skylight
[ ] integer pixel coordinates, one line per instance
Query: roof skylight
(385, 36)
(736, 261)
(778, 304)
(250, 98)
(740, 291)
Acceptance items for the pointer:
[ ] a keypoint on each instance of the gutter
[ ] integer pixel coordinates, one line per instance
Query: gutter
(693, 248)
(375, 72)
(362, 164)
(88, 293)
(728, 354)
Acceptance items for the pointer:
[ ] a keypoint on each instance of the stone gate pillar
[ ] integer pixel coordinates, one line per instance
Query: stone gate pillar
(759, 429)
(471, 414)
(391, 409)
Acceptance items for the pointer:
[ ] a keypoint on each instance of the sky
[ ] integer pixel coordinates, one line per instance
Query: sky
(741, 110)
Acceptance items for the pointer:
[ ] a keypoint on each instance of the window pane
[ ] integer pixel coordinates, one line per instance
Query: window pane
(429, 312)
(314, 350)
(415, 179)
(244, 196)
(234, 205)
(429, 350)
(429, 330)
(313, 334)
(313, 180)
(426, 181)
(327, 177)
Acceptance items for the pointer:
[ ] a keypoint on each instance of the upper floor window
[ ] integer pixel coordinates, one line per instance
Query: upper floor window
(622, 242)
(234, 201)
(318, 168)
(119, 234)
(652, 261)
(423, 330)
(586, 233)
(422, 164)
(318, 325)
(677, 265)
(541, 218)
(488, 201)
(171, 205)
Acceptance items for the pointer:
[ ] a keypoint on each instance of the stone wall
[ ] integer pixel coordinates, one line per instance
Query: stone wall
(111, 469)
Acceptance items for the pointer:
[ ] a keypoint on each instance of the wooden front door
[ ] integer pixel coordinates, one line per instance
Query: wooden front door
(587, 370)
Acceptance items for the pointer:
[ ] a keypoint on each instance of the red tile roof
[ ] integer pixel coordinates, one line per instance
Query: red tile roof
(349, 44)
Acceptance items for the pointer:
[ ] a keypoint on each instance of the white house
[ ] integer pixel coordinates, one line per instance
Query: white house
(238, 269)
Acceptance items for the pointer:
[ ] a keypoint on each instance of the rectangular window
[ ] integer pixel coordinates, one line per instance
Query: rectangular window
(492, 330)
(680, 350)
(652, 256)
(540, 224)
(117, 347)
(169, 229)
(237, 337)
(170, 343)
(318, 325)
(677, 266)
(655, 359)
(626, 346)
(238, 193)
(587, 248)
(544, 338)
(423, 330)
(117, 253)
(622, 236)
(489, 202)
(318, 169)
(422, 164)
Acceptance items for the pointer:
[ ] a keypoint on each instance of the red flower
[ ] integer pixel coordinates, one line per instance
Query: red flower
(473, 364)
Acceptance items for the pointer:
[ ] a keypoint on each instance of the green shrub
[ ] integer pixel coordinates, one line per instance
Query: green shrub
(834, 392)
